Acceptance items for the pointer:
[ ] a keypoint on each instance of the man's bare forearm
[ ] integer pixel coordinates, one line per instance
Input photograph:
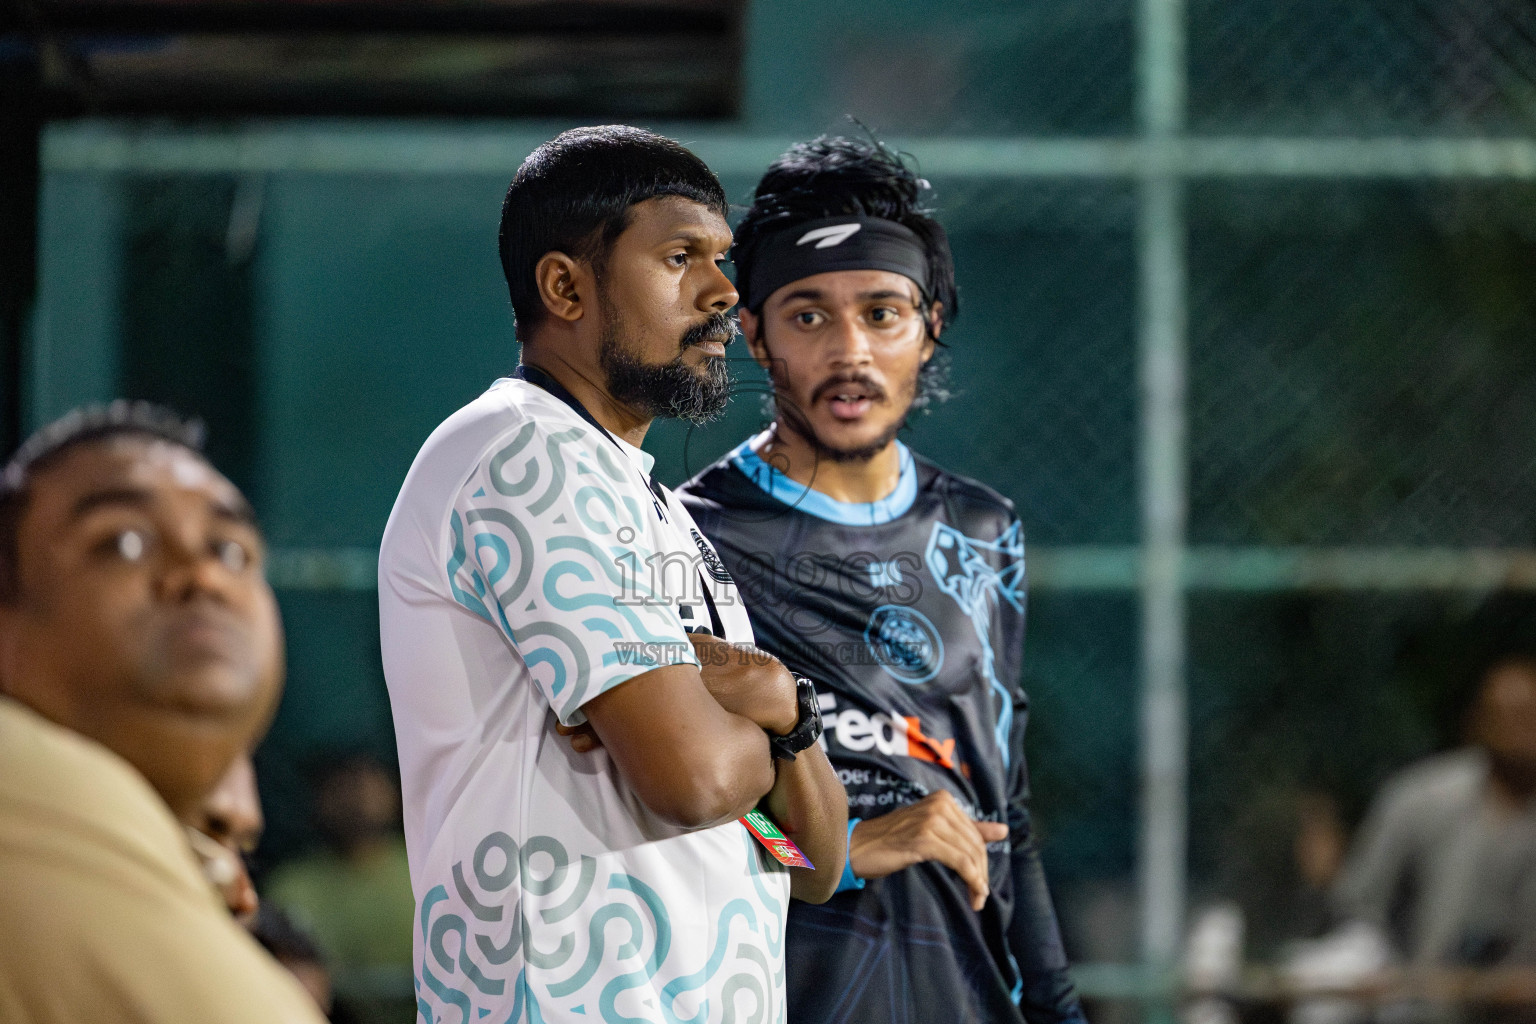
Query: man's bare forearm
(689, 760)
(747, 681)
(811, 807)
(806, 800)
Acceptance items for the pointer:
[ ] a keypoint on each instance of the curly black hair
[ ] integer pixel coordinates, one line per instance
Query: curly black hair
(833, 176)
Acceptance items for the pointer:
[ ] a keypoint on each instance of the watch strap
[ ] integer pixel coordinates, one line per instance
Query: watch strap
(807, 728)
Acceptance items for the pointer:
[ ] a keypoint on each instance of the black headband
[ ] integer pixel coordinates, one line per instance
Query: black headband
(835, 243)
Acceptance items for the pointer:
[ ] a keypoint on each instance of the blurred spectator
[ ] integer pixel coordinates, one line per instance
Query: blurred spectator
(1286, 848)
(140, 654)
(355, 895)
(231, 818)
(1445, 864)
(292, 947)
(1318, 851)
(1282, 851)
(227, 832)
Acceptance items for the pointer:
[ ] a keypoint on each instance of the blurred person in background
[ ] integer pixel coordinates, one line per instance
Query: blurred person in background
(225, 833)
(224, 836)
(354, 896)
(899, 588)
(1444, 866)
(299, 953)
(140, 657)
(1282, 851)
(612, 875)
(1438, 893)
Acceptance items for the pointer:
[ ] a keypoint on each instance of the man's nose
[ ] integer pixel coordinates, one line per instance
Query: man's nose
(850, 343)
(192, 567)
(719, 295)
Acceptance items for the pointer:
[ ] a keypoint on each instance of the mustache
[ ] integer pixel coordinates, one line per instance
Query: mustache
(868, 383)
(718, 327)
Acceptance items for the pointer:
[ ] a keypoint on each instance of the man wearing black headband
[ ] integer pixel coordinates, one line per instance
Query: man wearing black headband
(898, 588)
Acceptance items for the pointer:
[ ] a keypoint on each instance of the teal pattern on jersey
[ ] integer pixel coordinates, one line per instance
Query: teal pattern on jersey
(471, 935)
(526, 551)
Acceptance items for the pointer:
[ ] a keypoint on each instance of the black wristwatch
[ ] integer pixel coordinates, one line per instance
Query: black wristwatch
(807, 729)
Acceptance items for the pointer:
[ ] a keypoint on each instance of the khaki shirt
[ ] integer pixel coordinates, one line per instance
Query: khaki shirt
(104, 913)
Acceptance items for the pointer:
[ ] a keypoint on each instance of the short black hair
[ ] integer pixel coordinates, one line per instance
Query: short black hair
(51, 443)
(573, 194)
(834, 176)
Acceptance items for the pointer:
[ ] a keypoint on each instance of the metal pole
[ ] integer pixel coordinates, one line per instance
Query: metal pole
(428, 151)
(1163, 369)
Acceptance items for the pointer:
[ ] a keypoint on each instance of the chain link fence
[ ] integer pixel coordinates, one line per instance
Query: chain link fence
(1362, 366)
(1376, 67)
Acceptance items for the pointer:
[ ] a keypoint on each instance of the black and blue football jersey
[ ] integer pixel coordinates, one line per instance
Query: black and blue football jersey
(908, 614)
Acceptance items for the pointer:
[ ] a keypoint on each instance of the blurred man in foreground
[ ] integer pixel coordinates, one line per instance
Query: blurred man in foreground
(899, 588)
(140, 655)
(534, 577)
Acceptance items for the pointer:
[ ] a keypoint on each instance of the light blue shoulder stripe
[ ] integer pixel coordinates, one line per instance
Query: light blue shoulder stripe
(813, 502)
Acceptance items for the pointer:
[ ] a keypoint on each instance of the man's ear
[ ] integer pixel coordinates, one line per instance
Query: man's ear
(751, 329)
(564, 285)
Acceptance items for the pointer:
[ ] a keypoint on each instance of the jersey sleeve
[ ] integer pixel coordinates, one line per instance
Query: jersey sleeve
(1047, 995)
(548, 537)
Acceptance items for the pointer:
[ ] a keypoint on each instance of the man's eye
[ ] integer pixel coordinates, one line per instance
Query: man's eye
(678, 259)
(807, 318)
(232, 554)
(883, 314)
(131, 545)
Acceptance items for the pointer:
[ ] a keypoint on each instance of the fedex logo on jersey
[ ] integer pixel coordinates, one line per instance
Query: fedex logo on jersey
(892, 734)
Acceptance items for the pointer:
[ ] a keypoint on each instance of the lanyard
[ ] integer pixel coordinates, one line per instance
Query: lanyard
(539, 379)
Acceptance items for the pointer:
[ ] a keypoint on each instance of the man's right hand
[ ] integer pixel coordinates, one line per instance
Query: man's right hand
(934, 828)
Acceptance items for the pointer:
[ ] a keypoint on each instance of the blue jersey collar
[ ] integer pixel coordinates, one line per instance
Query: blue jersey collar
(813, 502)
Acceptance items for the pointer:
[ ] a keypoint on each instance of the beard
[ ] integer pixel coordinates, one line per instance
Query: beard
(673, 389)
(790, 416)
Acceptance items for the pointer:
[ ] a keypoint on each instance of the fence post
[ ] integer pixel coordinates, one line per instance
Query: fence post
(1162, 362)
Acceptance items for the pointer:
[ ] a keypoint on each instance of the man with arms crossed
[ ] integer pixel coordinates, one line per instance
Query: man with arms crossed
(140, 656)
(899, 588)
(534, 579)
